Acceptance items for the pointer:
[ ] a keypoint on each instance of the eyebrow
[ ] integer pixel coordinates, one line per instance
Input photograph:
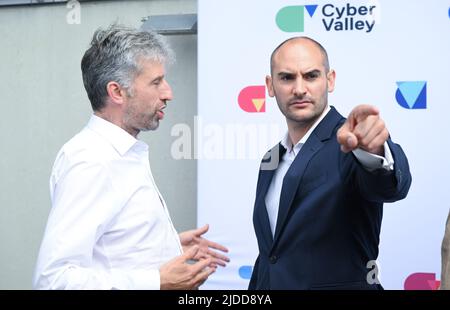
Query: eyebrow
(311, 72)
(314, 71)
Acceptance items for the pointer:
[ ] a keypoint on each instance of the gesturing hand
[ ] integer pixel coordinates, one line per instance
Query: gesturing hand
(179, 274)
(363, 129)
(206, 247)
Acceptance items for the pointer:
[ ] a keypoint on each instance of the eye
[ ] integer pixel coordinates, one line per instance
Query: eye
(286, 77)
(157, 81)
(310, 76)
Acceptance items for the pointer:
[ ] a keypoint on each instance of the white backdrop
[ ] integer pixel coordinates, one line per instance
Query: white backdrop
(409, 42)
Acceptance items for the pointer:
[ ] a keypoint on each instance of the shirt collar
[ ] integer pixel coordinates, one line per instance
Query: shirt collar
(121, 140)
(286, 141)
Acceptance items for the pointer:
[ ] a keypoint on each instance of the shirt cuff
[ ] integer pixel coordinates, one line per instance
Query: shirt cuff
(372, 161)
(136, 279)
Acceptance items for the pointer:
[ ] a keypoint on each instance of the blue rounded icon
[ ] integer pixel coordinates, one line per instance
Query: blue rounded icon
(245, 272)
(412, 94)
(449, 12)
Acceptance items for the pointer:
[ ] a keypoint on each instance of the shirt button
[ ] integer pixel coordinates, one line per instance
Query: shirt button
(273, 259)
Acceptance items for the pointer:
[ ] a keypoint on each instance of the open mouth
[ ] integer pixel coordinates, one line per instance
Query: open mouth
(160, 112)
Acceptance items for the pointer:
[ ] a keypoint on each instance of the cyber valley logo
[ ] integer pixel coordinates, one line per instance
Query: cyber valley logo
(334, 17)
(253, 99)
(412, 94)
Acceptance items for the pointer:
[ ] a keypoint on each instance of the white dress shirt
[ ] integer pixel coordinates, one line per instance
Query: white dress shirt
(109, 227)
(272, 199)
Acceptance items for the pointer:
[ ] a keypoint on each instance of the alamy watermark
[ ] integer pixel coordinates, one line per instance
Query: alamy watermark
(373, 276)
(229, 141)
(73, 17)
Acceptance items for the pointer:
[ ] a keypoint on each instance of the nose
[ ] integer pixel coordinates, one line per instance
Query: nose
(299, 88)
(166, 91)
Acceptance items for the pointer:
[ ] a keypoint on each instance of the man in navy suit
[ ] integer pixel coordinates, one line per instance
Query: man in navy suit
(320, 192)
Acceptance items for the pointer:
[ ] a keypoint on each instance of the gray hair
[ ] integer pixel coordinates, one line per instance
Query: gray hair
(114, 55)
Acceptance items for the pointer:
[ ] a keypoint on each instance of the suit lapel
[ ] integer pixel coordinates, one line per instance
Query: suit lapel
(292, 180)
(265, 178)
(295, 172)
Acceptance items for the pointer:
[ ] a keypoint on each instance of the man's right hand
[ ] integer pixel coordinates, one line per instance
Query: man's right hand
(179, 274)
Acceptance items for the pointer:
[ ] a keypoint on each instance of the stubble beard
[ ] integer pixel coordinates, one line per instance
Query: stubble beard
(140, 122)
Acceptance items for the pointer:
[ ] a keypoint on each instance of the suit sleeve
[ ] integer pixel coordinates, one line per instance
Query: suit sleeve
(385, 186)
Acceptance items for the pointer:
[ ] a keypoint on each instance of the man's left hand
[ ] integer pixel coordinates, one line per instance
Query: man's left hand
(363, 129)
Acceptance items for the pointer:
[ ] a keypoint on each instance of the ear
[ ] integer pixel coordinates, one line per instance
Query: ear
(116, 93)
(269, 86)
(331, 78)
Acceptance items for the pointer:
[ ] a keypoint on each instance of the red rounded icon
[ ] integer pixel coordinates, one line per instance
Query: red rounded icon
(253, 99)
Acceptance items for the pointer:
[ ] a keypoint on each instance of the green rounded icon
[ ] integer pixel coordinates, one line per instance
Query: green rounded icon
(290, 18)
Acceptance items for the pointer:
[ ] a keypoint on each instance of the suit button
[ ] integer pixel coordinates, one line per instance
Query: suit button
(273, 259)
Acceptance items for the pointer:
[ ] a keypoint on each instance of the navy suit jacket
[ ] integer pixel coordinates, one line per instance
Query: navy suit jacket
(329, 216)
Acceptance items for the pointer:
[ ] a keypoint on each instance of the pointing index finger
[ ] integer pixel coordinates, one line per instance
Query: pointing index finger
(360, 113)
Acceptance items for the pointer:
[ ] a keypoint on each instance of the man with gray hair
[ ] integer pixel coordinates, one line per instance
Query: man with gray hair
(109, 227)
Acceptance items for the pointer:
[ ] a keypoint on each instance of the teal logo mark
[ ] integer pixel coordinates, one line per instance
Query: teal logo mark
(292, 18)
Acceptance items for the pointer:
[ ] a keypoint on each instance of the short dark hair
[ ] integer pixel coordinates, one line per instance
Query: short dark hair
(114, 55)
(326, 63)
